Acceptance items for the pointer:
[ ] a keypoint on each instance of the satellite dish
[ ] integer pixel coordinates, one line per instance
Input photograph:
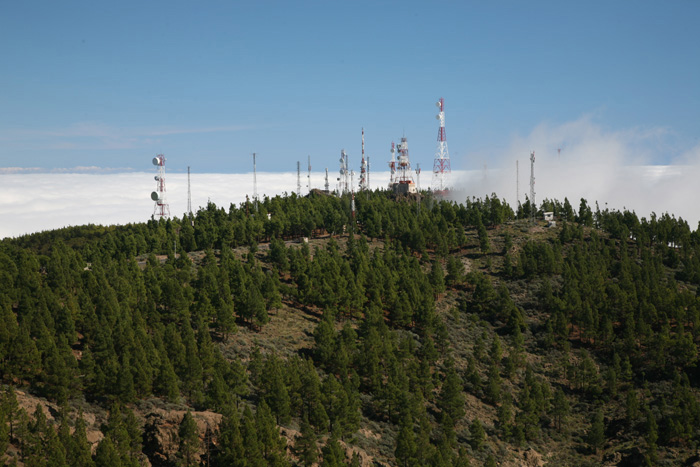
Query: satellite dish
(157, 177)
(437, 117)
(154, 196)
(156, 161)
(437, 104)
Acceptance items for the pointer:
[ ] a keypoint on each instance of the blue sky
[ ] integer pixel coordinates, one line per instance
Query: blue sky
(111, 84)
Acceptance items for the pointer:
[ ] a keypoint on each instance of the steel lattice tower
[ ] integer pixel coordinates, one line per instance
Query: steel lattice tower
(161, 207)
(441, 166)
(364, 175)
(344, 179)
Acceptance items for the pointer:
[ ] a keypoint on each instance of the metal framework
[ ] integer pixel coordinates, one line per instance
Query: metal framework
(161, 207)
(344, 179)
(441, 165)
(364, 171)
(392, 165)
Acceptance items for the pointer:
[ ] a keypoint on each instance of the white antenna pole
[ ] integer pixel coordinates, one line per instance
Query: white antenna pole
(255, 182)
(369, 187)
(298, 178)
(517, 183)
(189, 194)
(533, 204)
(308, 177)
(326, 185)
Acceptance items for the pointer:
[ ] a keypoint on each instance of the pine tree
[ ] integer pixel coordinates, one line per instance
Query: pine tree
(451, 400)
(333, 455)
(560, 408)
(272, 444)
(405, 442)
(477, 434)
(596, 433)
(189, 439)
(305, 444)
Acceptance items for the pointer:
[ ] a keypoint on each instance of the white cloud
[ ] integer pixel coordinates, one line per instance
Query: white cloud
(608, 167)
(31, 202)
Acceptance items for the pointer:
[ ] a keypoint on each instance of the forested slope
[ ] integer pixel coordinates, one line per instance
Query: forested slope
(429, 333)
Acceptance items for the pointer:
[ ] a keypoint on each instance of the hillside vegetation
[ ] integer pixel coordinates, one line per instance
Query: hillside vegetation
(431, 333)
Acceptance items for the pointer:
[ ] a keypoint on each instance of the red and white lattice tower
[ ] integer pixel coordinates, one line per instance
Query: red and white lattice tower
(161, 207)
(404, 162)
(441, 166)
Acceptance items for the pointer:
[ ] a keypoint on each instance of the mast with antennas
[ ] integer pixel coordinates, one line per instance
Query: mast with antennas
(308, 176)
(298, 178)
(533, 204)
(189, 194)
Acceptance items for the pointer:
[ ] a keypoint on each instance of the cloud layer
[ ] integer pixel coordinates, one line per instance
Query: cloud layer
(607, 167)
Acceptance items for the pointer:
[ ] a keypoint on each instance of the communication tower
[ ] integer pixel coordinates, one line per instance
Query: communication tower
(255, 182)
(441, 166)
(517, 183)
(533, 204)
(403, 178)
(161, 207)
(326, 186)
(392, 165)
(363, 166)
(308, 176)
(344, 180)
(298, 178)
(417, 177)
(189, 194)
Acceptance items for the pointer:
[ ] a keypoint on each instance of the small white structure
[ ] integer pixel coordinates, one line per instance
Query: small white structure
(549, 216)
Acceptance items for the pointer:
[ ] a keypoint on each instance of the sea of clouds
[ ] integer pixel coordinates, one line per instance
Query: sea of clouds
(608, 167)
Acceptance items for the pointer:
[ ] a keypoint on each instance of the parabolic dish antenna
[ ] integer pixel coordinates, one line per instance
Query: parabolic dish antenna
(154, 196)
(156, 161)
(157, 177)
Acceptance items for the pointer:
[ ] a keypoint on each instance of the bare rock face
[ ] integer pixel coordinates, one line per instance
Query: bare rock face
(161, 440)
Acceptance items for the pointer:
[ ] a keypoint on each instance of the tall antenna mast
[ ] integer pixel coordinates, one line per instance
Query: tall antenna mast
(441, 165)
(161, 207)
(418, 177)
(533, 204)
(189, 194)
(308, 177)
(517, 183)
(392, 165)
(326, 185)
(255, 182)
(363, 165)
(298, 178)
(344, 179)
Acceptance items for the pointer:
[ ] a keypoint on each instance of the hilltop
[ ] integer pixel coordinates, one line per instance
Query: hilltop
(418, 334)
